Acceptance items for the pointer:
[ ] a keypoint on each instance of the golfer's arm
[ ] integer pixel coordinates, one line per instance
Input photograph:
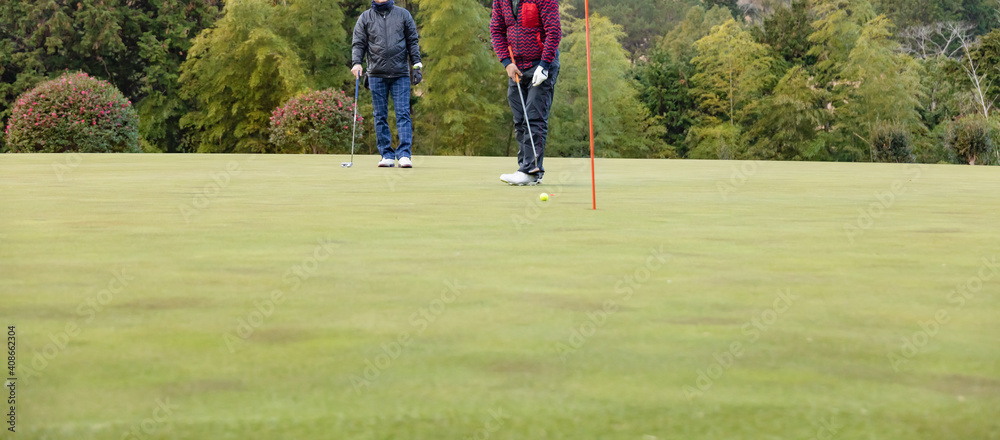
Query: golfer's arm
(553, 32)
(412, 40)
(360, 44)
(498, 34)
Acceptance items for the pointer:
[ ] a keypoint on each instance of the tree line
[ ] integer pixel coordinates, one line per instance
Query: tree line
(849, 80)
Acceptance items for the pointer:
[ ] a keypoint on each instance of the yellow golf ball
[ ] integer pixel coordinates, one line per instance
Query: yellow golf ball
(543, 197)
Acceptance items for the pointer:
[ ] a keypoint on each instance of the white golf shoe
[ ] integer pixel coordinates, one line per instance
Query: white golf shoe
(519, 179)
(387, 163)
(404, 162)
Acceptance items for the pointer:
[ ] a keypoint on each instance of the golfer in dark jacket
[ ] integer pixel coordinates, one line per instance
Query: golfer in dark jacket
(388, 36)
(530, 31)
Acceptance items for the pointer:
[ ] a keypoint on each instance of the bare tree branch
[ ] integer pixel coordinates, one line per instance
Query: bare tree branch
(939, 39)
(980, 83)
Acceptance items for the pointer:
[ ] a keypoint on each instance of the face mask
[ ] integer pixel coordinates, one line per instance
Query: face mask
(382, 6)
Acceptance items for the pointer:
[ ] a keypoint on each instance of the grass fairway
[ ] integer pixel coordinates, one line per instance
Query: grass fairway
(238, 297)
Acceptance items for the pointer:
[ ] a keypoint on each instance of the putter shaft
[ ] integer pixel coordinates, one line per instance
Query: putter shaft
(355, 131)
(527, 122)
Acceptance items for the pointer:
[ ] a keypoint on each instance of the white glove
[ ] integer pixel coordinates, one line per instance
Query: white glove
(539, 77)
(418, 66)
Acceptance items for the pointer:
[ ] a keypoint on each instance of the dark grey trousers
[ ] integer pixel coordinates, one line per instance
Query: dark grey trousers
(538, 101)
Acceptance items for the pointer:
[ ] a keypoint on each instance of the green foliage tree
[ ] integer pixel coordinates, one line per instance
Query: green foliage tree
(974, 139)
(314, 29)
(732, 5)
(906, 13)
(786, 31)
(253, 59)
(642, 136)
(464, 88)
(884, 86)
(137, 46)
(944, 83)
(45, 36)
(943, 90)
(622, 127)
(891, 143)
(664, 88)
(74, 112)
(320, 121)
(836, 30)
(642, 20)
(698, 22)
(734, 72)
(167, 29)
(841, 74)
(790, 120)
(721, 141)
(986, 53)
(237, 72)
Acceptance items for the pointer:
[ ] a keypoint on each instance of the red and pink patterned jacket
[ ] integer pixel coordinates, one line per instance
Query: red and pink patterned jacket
(533, 35)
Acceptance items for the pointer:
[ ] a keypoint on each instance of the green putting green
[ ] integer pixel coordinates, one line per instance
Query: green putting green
(263, 297)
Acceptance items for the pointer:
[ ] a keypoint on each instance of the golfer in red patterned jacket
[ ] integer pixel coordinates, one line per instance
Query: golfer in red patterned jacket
(530, 31)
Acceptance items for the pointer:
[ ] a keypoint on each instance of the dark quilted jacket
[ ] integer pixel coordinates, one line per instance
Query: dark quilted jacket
(389, 40)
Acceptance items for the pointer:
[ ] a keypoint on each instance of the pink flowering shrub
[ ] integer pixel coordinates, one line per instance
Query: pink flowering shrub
(73, 113)
(315, 122)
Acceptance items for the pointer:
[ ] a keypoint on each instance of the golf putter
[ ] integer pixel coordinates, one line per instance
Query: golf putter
(355, 131)
(527, 125)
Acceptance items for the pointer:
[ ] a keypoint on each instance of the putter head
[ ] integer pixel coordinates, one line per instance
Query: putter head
(347, 164)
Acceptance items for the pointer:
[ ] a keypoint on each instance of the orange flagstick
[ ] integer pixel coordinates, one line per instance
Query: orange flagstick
(590, 105)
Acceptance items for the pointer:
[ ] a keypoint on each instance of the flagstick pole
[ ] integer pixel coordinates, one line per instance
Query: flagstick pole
(590, 105)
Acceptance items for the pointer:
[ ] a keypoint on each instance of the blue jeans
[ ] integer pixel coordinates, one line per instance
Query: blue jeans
(400, 91)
